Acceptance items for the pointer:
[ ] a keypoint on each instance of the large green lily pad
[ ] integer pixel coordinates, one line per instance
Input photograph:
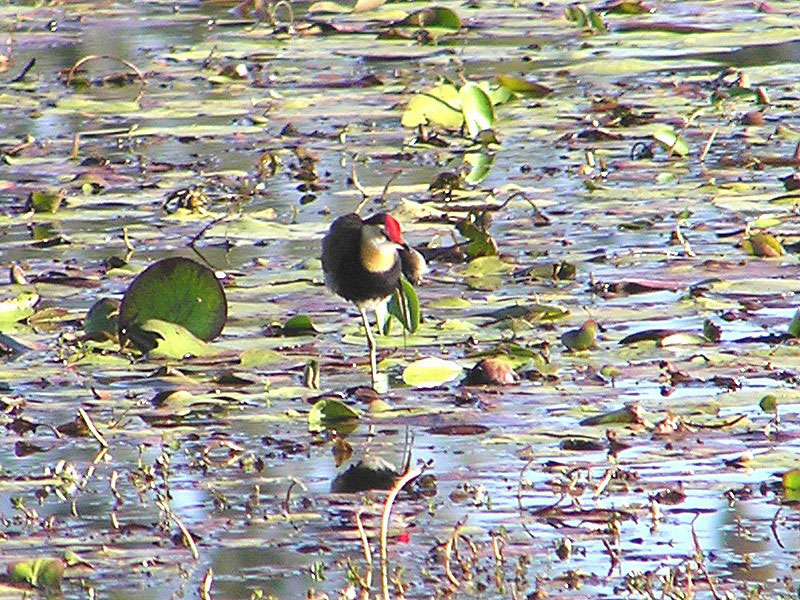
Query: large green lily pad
(176, 290)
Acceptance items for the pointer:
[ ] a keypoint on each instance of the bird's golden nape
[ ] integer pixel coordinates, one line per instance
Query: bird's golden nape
(378, 254)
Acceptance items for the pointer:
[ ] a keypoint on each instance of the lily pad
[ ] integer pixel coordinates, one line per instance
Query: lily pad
(583, 338)
(427, 108)
(299, 325)
(328, 411)
(791, 485)
(101, 321)
(434, 16)
(168, 340)
(762, 244)
(46, 200)
(794, 325)
(524, 87)
(175, 290)
(17, 309)
(671, 141)
(430, 372)
(38, 572)
(768, 403)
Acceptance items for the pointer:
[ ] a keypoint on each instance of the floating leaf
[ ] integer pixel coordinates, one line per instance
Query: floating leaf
(17, 309)
(480, 242)
(524, 87)
(477, 108)
(576, 14)
(168, 340)
(326, 6)
(367, 5)
(39, 572)
(430, 372)
(585, 18)
(627, 7)
(369, 473)
(794, 326)
(481, 164)
(72, 559)
(299, 325)
(101, 320)
(627, 414)
(435, 16)
(583, 338)
(762, 244)
(498, 94)
(426, 108)
(683, 339)
(768, 403)
(596, 21)
(459, 430)
(487, 265)
(791, 485)
(530, 312)
(668, 138)
(647, 335)
(448, 93)
(329, 411)
(46, 201)
(260, 357)
(176, 290)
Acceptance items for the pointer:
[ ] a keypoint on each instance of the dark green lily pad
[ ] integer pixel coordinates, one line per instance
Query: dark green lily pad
(299, 325)
(176, 290)
(101, 320)
(583, 338)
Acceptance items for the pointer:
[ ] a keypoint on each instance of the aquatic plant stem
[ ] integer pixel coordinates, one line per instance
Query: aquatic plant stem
(408, 476)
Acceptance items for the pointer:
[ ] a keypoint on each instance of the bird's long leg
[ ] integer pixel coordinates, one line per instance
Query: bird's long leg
(373, 359)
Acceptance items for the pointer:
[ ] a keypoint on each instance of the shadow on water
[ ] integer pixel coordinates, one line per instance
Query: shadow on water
(753, 56)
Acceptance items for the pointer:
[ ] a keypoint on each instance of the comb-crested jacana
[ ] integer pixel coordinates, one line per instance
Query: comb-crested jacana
(362, 260)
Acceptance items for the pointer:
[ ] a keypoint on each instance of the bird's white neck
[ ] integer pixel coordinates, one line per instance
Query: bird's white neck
(378, 254)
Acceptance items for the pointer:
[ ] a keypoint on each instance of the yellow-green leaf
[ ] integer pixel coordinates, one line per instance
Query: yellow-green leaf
(430, 372)
(669, 139)
(423, 109)
(477, 108)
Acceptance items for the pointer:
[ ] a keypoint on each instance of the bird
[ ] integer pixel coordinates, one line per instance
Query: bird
(362, 261)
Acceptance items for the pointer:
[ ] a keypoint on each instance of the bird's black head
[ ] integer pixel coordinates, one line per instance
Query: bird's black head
(389, 225)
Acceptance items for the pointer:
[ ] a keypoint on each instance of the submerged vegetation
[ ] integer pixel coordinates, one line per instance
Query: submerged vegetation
(592, 394)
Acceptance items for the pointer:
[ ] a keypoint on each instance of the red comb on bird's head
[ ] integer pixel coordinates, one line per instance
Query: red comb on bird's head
(393, 230)
(391, 225)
